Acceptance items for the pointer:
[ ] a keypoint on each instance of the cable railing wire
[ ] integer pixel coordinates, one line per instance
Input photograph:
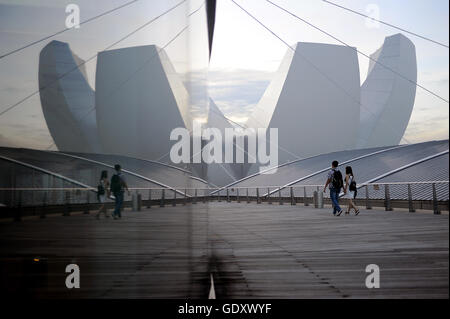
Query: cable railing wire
(67, 29)
(388, 24)
(93, 108)
(358, 51)
(9, 108)
(312, 64)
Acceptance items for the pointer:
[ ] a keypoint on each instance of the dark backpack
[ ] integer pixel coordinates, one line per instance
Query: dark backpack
(100, 189)
(116, 184)
(352, 186)
(337, 181)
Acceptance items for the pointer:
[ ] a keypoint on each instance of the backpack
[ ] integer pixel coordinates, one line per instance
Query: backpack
(337, 181)
(352, 186)
(100, 189)
(116, 184)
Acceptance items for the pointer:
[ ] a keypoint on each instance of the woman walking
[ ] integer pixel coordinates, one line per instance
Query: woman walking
(350, 190)
(103, 193)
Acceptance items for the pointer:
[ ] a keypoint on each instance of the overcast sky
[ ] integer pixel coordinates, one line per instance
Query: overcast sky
(244, 58)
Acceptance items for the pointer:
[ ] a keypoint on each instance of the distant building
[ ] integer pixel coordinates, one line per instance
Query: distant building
(388, 99)
(223, 173)
(313, 100)
(68, 101)
(316, 102)
(139, 100)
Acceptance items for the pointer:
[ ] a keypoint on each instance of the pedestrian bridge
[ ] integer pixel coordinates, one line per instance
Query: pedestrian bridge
(227, 250)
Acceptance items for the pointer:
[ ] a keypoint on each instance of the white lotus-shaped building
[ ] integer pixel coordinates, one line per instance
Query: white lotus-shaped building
(388, 98)
(315, 100)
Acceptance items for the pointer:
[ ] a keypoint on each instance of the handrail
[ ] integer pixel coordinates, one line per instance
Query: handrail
(67, 179)
(404, 167)
(111, 166)
(342, 163)
(230, 188)
(19, 203)
(314, 173)
(154, 162)
(269, 169)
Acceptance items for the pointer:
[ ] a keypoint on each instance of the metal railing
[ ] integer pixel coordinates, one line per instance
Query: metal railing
(17, 202)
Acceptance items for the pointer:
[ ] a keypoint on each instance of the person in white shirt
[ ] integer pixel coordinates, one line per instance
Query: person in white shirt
(350, 190)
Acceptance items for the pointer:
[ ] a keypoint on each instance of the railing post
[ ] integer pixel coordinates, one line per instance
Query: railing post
(305, 198)
(194, 200)
(248, 198)
(367, 198)
(185, 197)
(33, 204)
(410, 202)
(320, 199)
(163, 195)
(204, 196)
(279, 196)
(387, 198)
(13, 184)
(218, 196)
(238, 199)
(44, 204)
(258, 200)
(134, 201)
(174, 197)
(316, 199)
(436, 210)
(18, 210)
(228, 195)
(292, 196)
(32, 186)
(149, 203)
(67, 208)
(139, 202)
(62, 193)
(269, 199)
(86, 209)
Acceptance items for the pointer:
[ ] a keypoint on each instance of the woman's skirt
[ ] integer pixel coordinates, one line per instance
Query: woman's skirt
(350, 195)
(102, 199)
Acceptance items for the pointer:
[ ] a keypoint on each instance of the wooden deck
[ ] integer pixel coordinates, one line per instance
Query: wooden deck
(255, 251)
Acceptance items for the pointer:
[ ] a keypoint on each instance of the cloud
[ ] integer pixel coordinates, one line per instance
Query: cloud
(236, 92)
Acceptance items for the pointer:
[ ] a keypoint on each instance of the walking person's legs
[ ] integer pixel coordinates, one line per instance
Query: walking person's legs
(105, 210)
(119, 205)
(350, 205)
(349, 208)
(338, 208)
(334, 195)
(99, 211)
(354, 207)
(333, 203)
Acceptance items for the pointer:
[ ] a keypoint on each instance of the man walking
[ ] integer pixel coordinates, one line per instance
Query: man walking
(335, 183)
(118, 185)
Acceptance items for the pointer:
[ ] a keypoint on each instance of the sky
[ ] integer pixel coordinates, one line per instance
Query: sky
(244, 57)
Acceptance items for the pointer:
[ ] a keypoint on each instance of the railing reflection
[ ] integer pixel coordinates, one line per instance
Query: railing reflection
(18, 202)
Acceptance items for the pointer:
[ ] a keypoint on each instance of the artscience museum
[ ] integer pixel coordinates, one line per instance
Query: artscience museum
(139, 99)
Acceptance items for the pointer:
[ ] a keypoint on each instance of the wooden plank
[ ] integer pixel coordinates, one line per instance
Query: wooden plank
(256, 251)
